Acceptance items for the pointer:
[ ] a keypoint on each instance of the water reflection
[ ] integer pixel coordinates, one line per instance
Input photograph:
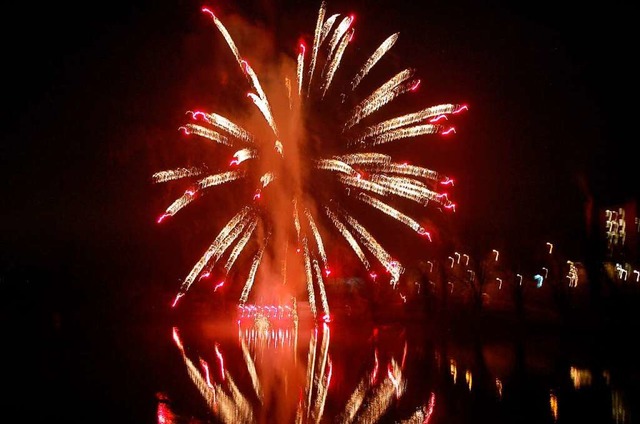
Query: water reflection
(271, 367)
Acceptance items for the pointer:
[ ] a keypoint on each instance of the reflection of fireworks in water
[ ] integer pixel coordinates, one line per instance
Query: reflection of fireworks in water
(288, 163)
(368, 403)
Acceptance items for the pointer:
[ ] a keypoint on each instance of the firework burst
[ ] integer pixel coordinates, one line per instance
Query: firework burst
(314, 164)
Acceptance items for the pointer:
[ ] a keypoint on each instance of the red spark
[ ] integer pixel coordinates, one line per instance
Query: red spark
(176, 338)
(219, 355)
(438, 118)
(209, 11)
(450, 130)
(207, 375)
(460, 109)
(175, 301)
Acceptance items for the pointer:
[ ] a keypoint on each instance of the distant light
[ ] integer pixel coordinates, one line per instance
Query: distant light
(539, 278)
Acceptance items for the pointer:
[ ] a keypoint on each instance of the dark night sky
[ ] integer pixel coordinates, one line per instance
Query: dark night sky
(93, 98)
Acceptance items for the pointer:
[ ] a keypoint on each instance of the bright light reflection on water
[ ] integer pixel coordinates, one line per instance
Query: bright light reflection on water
(353, 370)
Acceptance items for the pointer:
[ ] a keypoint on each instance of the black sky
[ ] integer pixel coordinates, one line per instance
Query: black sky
(93, 97)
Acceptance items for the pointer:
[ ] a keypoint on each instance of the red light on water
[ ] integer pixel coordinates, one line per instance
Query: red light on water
(376, 364)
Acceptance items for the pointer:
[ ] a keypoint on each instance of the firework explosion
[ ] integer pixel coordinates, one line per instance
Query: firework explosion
(312, 165)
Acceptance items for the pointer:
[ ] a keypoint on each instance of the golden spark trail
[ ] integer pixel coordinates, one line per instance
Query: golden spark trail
(407, 188)
(311, 363)
(392, 212)
(423, 414)
(403, 169)
(408, 119)
(299, 73)
(266, 179)
(322, 395)
(391, 265)
(323, 294)
(223, 123)
(243, 155)
(307, 269)
(256, 83)
(244, 413)
(369, 158)
(321, 378)
(328, 24)
(251, 367)
(217, 179)
(207, 393)
(402, 133)
(207, 133)
(266, 112)
(224, 244)
(336, 166)
(296, 219)
(195, 271)
(375, 57)
(338, 34)
(176, 174)
(252, 275)
(383, 95)
(335, 62)
(363, 184)
(316, 235)
(382, 396)
(226, 36)
(355, 402)
(240, 245)
(348, 237)
(178, 204)
(316, 43)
